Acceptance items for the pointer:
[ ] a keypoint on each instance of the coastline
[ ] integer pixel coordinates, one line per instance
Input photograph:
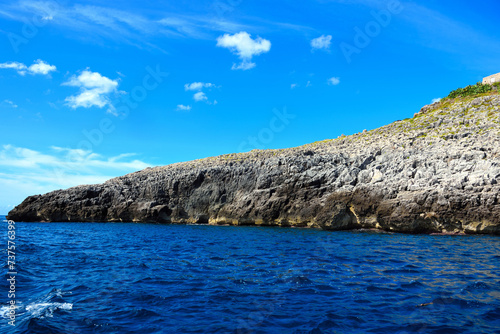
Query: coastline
(438, 172)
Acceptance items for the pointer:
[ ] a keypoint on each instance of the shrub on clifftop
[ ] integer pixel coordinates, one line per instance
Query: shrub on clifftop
(470, 90)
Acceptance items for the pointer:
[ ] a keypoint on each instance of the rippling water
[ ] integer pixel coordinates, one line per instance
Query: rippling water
(144, 278)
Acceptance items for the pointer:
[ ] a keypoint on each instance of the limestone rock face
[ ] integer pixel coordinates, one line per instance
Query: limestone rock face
(436, 172)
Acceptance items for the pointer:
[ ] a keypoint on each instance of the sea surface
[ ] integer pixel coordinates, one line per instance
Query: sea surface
(146, 278)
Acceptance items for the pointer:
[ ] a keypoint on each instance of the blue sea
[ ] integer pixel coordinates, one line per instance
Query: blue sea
(147, 278)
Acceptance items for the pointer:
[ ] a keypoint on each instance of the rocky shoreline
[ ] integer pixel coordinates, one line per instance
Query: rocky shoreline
(437, 172)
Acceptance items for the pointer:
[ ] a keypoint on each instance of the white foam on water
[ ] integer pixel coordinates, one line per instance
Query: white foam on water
(34, 310)
(40, 310)
(5, 310)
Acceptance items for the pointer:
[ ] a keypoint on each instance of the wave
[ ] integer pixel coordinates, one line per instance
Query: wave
(36, 310)
(47, 309)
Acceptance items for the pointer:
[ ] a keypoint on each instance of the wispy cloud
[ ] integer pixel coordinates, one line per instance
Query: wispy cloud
(19, 67)
(75, 160)
(105, 22)
(181, 107)
(94, 90)
(27, 172)
(38, 67)
(444, 33)
(120, 25)
(436, 30)
(244, 47)
(142, 29)
(10, 103)
(198, 85)
(197, 26)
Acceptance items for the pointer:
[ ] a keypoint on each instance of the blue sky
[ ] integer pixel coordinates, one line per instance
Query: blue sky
(91, 90)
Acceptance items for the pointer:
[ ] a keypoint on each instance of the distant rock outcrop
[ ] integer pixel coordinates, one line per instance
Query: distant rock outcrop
(436, 172)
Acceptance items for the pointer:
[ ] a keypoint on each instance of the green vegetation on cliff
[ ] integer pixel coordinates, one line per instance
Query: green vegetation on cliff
(473, 90)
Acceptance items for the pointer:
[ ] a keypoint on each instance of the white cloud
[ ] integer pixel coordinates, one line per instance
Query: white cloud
(38, 67)
(436, 100)
(309, 84)
(41, 67)
(292, 86)
(244, 65)
(322, 42)
(181, 107)
(12, 104)
(200, 96)
(94, 90)
(244, 47)
(27, 172)
(198, 85)
(19, 67)
(334, 81)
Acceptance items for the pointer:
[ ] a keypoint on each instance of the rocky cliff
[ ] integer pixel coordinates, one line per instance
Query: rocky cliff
(436, 172)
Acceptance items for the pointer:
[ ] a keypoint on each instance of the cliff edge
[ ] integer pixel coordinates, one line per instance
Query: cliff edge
(436, 172)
